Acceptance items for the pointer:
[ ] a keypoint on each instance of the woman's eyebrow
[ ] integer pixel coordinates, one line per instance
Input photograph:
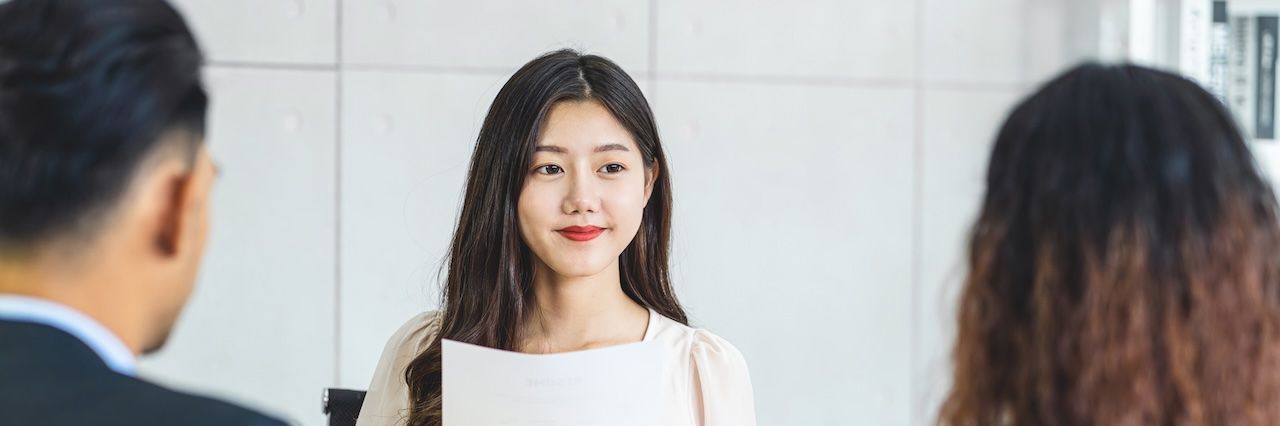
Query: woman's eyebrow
(612, 147)
(601, 148)
(550, 148)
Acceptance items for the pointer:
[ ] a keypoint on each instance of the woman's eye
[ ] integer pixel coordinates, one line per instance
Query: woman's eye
(612, 168)
(550, 169)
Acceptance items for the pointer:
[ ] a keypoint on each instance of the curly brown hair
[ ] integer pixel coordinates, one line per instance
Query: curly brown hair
(1123, 268)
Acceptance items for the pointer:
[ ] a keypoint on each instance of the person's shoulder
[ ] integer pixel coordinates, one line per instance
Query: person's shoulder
(718, 372)
(157, 404)
(415, 333)
(710, 352)
(705, 348)
(410, 339)
(388, 394)
(714, 346)
(54, 378)
(426, 322)
(209, 411)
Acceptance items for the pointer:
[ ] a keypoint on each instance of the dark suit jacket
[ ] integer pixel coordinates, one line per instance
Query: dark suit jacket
(49, 377)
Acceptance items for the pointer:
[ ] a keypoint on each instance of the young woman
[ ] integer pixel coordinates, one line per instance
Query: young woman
(562, 246)
(1123, 269)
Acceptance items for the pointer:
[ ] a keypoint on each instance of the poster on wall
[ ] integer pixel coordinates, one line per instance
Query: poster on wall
(1219, 42)
(1252, 48)
(1265, 86)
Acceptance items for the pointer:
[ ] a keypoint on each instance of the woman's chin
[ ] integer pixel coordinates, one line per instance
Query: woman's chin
(580, 269)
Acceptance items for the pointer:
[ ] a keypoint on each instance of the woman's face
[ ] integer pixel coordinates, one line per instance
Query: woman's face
(584, 196)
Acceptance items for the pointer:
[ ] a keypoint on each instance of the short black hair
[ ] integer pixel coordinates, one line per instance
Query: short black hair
(88, 88)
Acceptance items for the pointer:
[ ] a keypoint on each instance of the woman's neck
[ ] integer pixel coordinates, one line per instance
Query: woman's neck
(577, 313)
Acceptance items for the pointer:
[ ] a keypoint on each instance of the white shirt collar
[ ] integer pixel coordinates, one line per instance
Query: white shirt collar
(106, 344)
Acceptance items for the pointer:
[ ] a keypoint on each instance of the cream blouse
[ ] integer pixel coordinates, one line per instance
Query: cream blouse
(706, 382)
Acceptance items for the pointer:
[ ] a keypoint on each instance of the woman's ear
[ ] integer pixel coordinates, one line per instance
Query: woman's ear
(650, 177)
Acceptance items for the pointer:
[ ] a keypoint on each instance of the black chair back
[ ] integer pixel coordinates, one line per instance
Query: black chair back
(342, 405)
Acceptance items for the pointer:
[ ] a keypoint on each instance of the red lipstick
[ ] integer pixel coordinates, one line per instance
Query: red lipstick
(581, 233)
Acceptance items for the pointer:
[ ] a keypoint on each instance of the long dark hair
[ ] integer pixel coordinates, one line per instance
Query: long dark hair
(488, 290)
(1123, 269)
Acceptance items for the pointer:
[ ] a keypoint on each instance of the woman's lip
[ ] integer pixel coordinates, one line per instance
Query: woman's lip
(581, 233)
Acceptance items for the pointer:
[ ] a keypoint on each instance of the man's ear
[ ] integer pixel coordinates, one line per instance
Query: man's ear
(650, 179)
(180, 189)
(176, 199)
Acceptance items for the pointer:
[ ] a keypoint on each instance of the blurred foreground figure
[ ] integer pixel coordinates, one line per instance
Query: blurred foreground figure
(104, 190)
(1123, 268)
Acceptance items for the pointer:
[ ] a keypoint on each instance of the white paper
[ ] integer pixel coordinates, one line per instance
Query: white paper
(618, 385)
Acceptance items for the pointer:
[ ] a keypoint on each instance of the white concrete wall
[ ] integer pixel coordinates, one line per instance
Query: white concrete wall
(846, 137)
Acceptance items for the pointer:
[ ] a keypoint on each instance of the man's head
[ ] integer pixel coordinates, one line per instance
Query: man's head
(104, 177)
